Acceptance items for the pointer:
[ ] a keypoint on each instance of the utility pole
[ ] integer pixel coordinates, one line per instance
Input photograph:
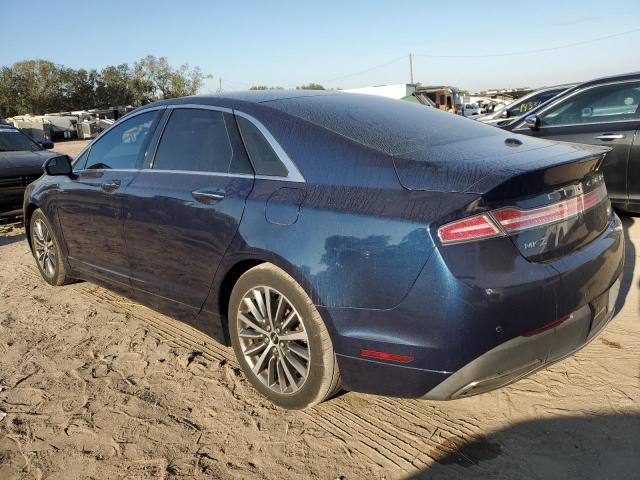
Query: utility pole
(220, 83)
(411, 68)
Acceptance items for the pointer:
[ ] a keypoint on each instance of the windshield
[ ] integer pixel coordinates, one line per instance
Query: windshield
(16, 141)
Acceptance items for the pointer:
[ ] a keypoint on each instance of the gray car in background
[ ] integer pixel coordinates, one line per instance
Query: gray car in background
(521, 106)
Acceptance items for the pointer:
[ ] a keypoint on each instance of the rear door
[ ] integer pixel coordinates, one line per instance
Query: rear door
(90, 203)
(185, 207)
(604, 115)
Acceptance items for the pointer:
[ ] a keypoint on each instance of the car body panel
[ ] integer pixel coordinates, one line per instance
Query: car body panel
(363, 246)
(92, 222)
(163, 216)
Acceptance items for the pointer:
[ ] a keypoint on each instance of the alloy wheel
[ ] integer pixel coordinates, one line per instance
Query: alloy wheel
(273, 339)
(44, 248)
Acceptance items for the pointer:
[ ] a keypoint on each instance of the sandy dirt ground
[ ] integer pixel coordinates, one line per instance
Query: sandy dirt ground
(95, 386)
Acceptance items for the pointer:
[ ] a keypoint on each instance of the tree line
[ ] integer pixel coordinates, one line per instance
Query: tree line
(40, 86)
(309, 86)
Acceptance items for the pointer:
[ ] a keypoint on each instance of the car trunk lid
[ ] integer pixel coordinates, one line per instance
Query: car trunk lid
(548, 206)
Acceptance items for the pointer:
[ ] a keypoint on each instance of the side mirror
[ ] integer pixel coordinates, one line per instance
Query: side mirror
(60, 165)
(532, 121)
(504, 113)
(46, 145)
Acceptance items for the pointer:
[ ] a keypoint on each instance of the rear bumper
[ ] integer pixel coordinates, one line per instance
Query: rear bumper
(467, 318)
(524, 355)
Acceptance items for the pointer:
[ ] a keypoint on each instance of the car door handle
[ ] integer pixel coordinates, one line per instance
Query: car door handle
(207, 197)
(607, 137)
(111, 186)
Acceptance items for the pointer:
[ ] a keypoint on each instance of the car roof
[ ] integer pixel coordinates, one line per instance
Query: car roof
(238, 98)
(611, 78)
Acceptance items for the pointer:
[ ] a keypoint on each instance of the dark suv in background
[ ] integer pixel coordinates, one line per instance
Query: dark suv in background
(605, 111)
(21, 161)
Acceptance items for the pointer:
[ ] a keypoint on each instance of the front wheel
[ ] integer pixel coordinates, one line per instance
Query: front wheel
(46, 250)
(280, 340)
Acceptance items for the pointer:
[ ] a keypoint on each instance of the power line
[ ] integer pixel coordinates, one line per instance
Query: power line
(403, 57)
(527, 52)
(488, 55)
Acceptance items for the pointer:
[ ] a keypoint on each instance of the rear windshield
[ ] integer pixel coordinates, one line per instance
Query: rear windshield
(391, 126)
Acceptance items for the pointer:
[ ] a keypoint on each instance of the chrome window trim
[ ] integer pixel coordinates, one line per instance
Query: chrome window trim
(110, 170)
(126, 116)
(193, 172)
(201, 107)
(106, 130)
(578, 91)
(294, 174)
(186, 172)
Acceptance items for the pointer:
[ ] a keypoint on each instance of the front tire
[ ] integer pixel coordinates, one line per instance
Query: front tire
(46, 250)
(280, 340)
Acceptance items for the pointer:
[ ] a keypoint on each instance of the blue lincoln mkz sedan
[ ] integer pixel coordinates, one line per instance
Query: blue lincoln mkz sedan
(339, 240)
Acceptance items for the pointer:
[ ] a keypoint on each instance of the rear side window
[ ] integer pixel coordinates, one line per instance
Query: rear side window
(265, 161)
(199, 140)
(123, 145)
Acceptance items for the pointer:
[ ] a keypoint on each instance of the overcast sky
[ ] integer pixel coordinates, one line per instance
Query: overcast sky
(287, 43)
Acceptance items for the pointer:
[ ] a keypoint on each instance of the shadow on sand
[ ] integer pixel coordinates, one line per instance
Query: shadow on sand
(586, 447)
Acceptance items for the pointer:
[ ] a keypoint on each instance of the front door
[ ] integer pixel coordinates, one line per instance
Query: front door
(90, 203)
(184, 209)
(605, 116)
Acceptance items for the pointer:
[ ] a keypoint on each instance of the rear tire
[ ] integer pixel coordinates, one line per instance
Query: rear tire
(280, 340)
(46, 250)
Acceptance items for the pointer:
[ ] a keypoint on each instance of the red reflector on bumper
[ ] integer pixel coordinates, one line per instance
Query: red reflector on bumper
(547, 326)
(386, 356)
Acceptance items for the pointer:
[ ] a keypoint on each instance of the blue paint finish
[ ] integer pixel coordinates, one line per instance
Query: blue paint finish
(359, 236)
(283, 206)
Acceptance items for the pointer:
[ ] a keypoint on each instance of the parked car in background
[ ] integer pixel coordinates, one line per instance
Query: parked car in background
(522, 105)
(603, 112)
(471, 109)
(21, 162)
(336, 239)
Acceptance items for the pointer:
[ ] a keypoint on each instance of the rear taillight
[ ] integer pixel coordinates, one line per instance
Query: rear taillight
(508, 220)
(477, 227)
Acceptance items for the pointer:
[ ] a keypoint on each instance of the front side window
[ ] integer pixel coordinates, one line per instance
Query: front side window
(122, 146)
(81, 161)
(609, 103)
(200, 140)
(16, 141)
(265, 161)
